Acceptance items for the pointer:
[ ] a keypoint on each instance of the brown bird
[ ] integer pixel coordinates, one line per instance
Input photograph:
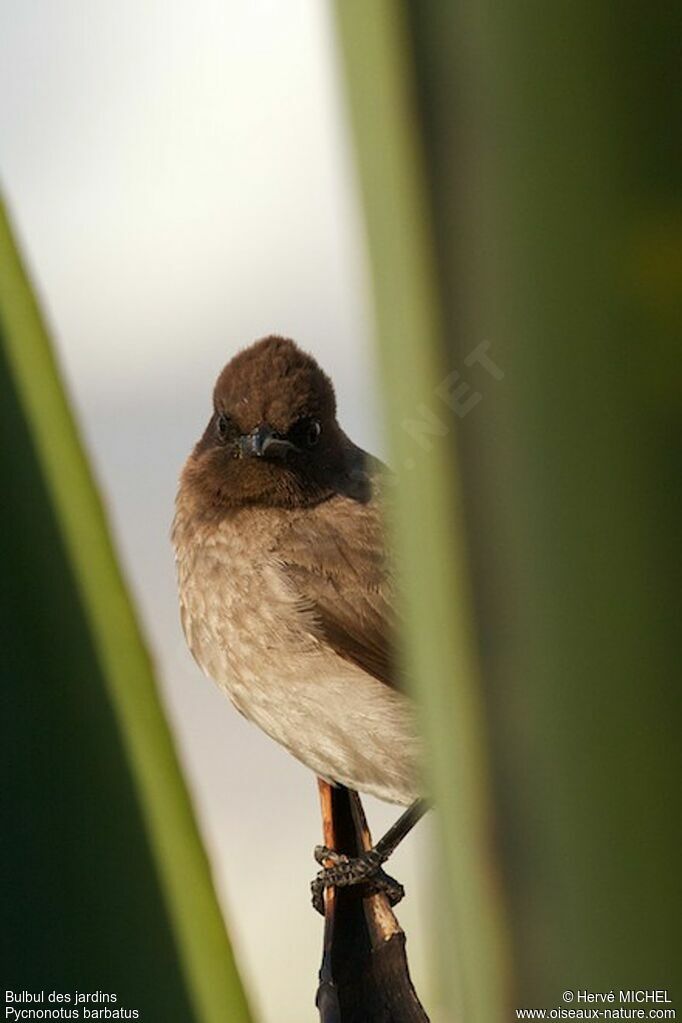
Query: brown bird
(286, 599)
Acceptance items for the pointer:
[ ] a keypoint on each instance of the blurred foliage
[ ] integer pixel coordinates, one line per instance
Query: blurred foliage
(521, 170)
(439, 643)
(106, 886)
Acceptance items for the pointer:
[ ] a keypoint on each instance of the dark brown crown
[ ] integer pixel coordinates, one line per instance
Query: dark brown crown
(273, 381)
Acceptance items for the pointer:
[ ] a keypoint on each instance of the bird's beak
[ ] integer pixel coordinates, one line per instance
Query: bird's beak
(263, 442)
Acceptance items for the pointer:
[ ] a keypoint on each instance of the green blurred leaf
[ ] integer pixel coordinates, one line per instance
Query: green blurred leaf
(439, 641)
(521, 178)
(105, 881)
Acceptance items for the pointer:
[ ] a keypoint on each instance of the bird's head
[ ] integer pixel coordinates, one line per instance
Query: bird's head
(273, 438)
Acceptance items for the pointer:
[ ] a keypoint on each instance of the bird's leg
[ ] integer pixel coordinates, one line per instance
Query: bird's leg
(340, 870)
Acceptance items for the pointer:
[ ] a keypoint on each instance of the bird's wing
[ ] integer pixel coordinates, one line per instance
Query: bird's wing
(333, 557)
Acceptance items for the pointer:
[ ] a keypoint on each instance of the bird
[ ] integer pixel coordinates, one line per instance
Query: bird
(287, 595)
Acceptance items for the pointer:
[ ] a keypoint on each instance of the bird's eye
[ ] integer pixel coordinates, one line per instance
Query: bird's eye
(312, 433)
(222, 426)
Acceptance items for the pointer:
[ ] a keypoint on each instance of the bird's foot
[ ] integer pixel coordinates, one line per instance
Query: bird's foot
(341, 871)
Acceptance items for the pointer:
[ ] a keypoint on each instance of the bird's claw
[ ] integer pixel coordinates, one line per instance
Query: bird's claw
(341, 871)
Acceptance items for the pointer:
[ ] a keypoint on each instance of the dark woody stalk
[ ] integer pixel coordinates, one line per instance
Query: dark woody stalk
(364, 973)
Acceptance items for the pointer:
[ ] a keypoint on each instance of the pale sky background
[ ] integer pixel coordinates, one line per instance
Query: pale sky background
(182, 179)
